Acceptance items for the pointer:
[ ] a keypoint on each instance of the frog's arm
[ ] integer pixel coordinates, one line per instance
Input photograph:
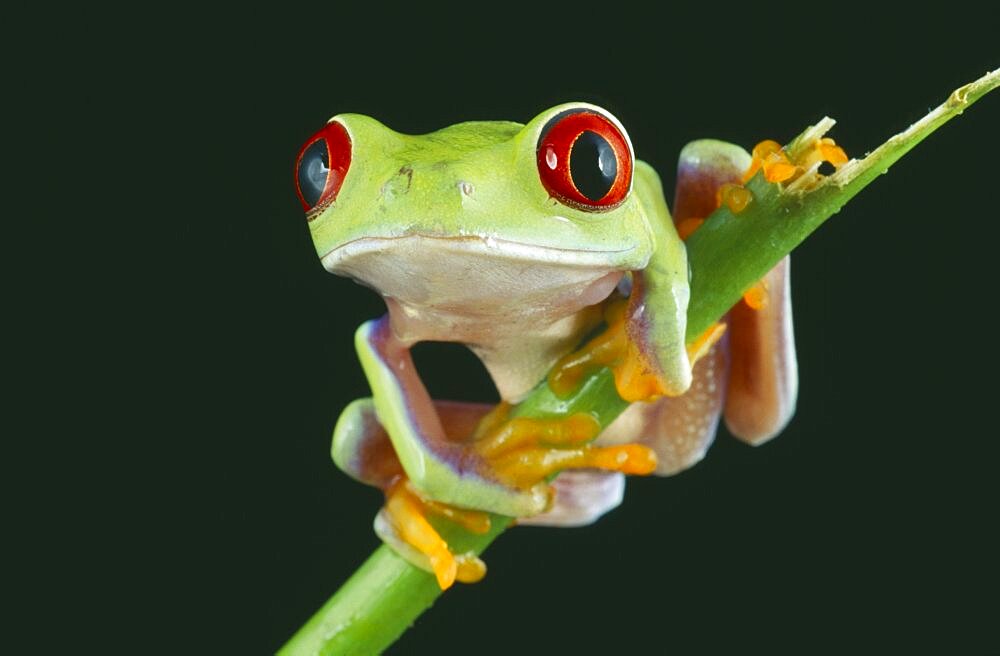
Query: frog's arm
(443, 469)
(656, 316)
(362, 449)
(750, 375)
(501, 466)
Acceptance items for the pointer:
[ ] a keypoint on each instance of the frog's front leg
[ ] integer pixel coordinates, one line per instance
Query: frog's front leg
(502, 467)
(750, 375)
(656, 361)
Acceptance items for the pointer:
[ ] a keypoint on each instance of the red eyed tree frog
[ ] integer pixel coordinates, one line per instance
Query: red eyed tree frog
(510, 239)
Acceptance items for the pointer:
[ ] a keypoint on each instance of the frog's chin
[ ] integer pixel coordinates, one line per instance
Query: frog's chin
(480, 277)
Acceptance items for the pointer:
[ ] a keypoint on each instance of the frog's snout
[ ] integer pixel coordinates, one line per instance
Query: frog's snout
(411, 178)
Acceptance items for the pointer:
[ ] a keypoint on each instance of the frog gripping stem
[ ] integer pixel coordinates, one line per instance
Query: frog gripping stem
(449, 460)
(386, 594)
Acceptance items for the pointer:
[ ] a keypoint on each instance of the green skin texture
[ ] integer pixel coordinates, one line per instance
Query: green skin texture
(400, 185)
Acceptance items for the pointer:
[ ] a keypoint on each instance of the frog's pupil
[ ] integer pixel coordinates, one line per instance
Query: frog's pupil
(593, 165)
(314, 167)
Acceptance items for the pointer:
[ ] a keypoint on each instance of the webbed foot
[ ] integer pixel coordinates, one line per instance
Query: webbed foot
(523, 452)
(403, 523)
(520, 452)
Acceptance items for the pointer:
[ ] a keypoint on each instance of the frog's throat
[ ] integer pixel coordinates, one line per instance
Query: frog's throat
(489, 246)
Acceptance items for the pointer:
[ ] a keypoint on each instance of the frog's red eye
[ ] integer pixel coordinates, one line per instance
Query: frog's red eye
(321, 166)
(584, 160)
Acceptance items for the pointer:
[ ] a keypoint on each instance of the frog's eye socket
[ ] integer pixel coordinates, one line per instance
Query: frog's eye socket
(321, 166)
(584, 160)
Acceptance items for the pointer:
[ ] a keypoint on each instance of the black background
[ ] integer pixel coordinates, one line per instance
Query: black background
(205, 354)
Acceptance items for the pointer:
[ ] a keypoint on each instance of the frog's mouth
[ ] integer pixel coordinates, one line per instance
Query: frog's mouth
(482, 276)
(490, 247)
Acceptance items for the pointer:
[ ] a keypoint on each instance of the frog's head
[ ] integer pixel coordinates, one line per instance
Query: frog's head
(477, 209)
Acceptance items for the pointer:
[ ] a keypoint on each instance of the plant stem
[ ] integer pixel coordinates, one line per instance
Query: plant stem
(727, 255)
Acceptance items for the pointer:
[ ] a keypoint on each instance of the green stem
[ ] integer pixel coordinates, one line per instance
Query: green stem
(727, 255)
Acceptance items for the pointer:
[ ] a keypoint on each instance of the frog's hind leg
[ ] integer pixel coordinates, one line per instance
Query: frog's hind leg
(749, 375)
(678, 428)
(681, 428)
(581, 497)
(763, 379)
(362, 449)
(403, 524)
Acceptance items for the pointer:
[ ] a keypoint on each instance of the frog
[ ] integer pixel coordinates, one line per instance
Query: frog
(519, 241)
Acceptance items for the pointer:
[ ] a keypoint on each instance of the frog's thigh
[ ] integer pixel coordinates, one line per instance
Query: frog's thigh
(763, 380)
(679, 428)
(702, 168)
(581, 497)
(362, 449)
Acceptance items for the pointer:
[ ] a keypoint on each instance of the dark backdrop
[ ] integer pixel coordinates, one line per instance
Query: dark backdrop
(222, 352)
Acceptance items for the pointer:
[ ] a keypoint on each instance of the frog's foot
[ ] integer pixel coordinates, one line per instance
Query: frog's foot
(581, 497)
(523, 452)
(403, 524)
(636, 379)
(362, 449)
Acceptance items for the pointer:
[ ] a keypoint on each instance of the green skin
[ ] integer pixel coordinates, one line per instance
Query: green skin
(456, 231)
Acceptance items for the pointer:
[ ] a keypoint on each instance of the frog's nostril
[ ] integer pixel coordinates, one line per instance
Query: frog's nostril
(408, 172)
